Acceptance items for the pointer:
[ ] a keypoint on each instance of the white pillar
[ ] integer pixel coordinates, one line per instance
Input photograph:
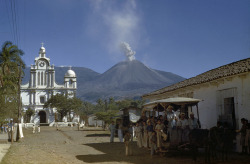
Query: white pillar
(50, 79)
(31, 79)
(46, 78)
(34, 98)
(35, 77)
(53, 78)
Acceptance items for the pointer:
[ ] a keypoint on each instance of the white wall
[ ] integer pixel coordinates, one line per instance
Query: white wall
(209, 110)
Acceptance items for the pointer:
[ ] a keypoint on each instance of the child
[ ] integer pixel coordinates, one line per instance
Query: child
(127, 138)
(34, 128)
(153, 143)
(38, 129)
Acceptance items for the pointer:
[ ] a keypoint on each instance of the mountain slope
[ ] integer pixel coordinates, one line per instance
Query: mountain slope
(83, 74)
(127, 79)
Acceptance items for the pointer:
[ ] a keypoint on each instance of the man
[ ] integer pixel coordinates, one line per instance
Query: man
(153, 141)
(150, 129)
(112, 131)
(138, 134)
(193, 122)
(172, 120)
(183, 128)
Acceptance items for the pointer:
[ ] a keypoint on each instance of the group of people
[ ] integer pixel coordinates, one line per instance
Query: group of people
(4, 128)
(151, 132)
(34, 129)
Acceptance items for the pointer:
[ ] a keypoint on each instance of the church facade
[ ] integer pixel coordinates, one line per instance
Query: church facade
(42, 86)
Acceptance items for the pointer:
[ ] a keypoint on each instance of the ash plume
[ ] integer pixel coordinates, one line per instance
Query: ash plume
(128, 51)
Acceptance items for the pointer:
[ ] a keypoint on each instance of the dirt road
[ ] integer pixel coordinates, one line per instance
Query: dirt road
(89, 145)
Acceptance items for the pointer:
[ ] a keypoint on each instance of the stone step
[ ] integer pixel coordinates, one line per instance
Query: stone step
(44, 124)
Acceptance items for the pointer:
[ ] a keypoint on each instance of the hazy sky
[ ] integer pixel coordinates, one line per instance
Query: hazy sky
(186, 37)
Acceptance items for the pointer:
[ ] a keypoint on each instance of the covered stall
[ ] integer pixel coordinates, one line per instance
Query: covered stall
(177, 103)
(171, 107)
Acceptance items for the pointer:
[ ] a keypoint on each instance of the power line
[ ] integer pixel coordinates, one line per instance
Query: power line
(11, 27)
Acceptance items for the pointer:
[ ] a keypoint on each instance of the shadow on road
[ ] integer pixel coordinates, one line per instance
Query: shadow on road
(98, 135)
(115, 152)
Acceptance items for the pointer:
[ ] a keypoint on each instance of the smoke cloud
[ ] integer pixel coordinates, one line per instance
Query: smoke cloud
(128, 51)
(118, 21)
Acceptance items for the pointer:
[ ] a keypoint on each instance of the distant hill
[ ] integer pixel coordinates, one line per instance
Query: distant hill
(127, 79)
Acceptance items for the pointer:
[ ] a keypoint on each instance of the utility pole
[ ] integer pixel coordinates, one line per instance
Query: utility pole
(19, 102)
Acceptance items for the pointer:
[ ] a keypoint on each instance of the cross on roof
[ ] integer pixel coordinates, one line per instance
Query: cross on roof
(42, 44)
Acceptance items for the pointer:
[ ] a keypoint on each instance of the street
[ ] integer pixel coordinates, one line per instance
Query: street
(89, 145)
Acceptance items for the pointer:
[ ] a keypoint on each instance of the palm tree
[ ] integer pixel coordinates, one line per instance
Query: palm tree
(11, 71)
(11, 65)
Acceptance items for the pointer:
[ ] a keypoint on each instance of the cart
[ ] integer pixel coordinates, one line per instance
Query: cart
(178, 105)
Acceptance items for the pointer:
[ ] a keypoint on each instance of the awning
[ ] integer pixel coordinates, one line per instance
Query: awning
(170, 101)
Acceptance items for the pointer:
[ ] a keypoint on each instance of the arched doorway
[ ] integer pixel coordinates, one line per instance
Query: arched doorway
(42, 115)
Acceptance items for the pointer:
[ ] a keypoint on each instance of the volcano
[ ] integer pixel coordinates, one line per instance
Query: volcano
(127, 79)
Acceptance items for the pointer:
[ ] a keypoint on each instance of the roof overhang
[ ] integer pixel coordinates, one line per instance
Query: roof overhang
(170, 101)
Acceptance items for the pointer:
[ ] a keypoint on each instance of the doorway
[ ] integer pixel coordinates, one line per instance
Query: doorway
(42, 115)
(229, 111)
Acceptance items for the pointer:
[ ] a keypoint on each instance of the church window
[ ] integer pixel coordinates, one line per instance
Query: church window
(42, 99)
(41, 78)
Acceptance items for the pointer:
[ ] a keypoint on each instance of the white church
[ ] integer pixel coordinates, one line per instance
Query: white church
(42, 86)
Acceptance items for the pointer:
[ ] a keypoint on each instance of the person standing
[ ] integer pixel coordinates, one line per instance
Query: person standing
(153, 142)
(150, 129)
(130, 129)
(183, 128)
(128, 150)
(120, 133)
(193, 122)
(112, 131)
(158, 129)
(138, 134)
(34, 128)
(247, 140)
(243, 131)
(145, 135)
(38, 129)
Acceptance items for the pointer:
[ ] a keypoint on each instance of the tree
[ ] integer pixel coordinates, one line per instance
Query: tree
(29, 112)
(86, 109)
(11, 72)
(112, 105)
(100, 105)
(75, 105)
(58, 101)
(64, 105)
(107, 117)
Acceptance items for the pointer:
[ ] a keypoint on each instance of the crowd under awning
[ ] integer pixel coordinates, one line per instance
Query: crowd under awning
(164, 103)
